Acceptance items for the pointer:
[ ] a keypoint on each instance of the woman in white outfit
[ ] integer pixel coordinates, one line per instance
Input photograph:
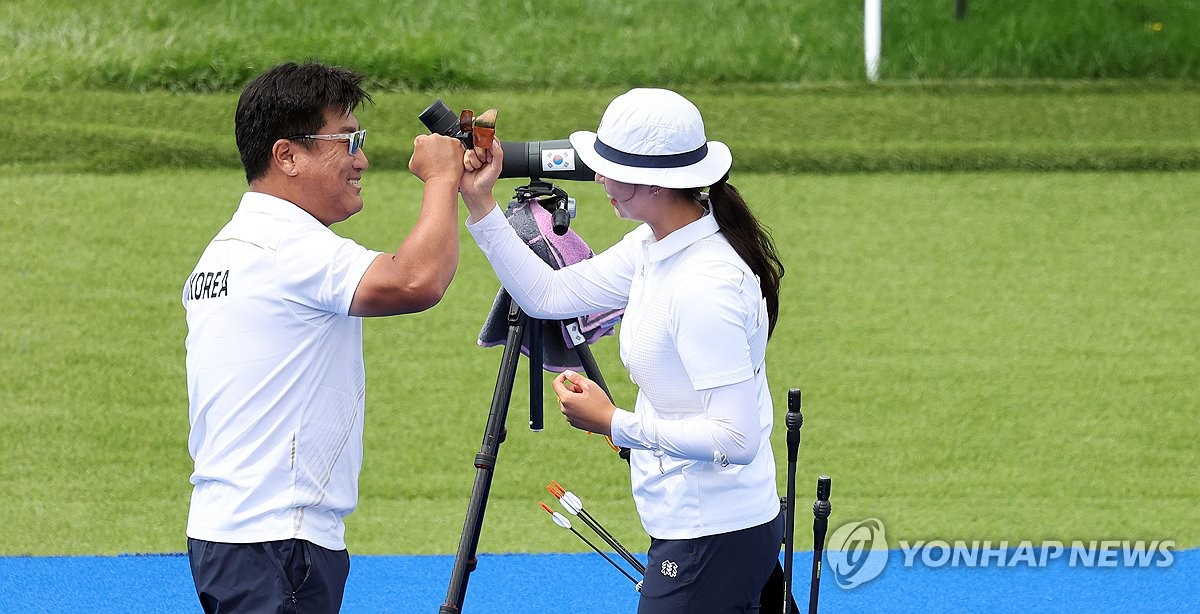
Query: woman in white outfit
(699, 282)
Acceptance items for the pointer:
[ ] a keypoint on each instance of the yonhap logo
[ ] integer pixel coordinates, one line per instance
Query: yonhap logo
(858, 552)
(1094, 553)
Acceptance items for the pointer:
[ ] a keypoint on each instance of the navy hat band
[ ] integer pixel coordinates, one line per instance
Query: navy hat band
(686, 158)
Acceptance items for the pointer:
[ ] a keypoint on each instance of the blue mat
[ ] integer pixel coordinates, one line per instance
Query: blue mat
(586, 583)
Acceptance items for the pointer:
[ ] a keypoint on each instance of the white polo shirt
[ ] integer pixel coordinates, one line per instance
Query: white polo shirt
(276, 384)
(693, 338)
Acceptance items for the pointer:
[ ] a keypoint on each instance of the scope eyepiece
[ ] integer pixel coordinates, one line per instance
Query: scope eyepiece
(439, 119)
(549, 160)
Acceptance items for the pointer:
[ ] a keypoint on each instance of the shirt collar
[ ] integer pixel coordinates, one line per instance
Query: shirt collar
(680, 239)
(263, 203)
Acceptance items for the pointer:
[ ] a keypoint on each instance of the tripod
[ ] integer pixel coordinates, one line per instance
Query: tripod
(465, 561)
(520, 327)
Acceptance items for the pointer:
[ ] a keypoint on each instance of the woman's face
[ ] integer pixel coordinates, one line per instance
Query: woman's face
(623, 197)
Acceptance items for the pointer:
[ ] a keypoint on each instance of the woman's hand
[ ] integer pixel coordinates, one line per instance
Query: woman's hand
(482, 168)
(584, 403)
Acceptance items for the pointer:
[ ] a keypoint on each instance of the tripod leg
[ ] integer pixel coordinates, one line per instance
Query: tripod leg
(591, 369)
(485, 463)
(536, 362)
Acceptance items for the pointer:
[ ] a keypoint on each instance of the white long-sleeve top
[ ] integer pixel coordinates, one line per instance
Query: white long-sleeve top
(693, 336)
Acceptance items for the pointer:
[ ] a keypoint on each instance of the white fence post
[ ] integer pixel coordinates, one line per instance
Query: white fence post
(872, 35)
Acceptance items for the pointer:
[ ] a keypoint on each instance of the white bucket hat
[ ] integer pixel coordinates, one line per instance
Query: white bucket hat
(653, 137)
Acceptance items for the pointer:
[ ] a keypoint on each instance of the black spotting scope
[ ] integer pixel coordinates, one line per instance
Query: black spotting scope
(550, 160)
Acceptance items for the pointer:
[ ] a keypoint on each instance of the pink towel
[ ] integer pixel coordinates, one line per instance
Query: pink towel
(533, 223)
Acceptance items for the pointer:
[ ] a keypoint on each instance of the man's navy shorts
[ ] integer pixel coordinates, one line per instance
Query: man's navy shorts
(287, 576)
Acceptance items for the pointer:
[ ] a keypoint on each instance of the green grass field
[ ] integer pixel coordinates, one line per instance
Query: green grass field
(180, 45)
(1074, 126)
(990, 299)
(983, 355)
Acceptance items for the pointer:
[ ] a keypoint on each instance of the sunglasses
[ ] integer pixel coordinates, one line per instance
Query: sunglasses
(356, 139)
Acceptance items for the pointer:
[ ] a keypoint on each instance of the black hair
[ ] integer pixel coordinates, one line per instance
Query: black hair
(288, 100)
(749, 238)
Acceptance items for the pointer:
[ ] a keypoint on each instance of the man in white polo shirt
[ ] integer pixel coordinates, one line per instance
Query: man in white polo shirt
(275, 376)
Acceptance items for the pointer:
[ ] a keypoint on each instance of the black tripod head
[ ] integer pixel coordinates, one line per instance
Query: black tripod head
(551, 198)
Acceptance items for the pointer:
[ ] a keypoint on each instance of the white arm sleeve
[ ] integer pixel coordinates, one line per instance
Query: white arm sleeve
(727, 432)
(598, 283)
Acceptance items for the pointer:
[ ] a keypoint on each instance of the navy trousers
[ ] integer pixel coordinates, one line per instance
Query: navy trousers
(281, 577)
(716, 574)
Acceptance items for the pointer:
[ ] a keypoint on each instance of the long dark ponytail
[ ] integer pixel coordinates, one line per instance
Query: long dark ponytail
(750, 239)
